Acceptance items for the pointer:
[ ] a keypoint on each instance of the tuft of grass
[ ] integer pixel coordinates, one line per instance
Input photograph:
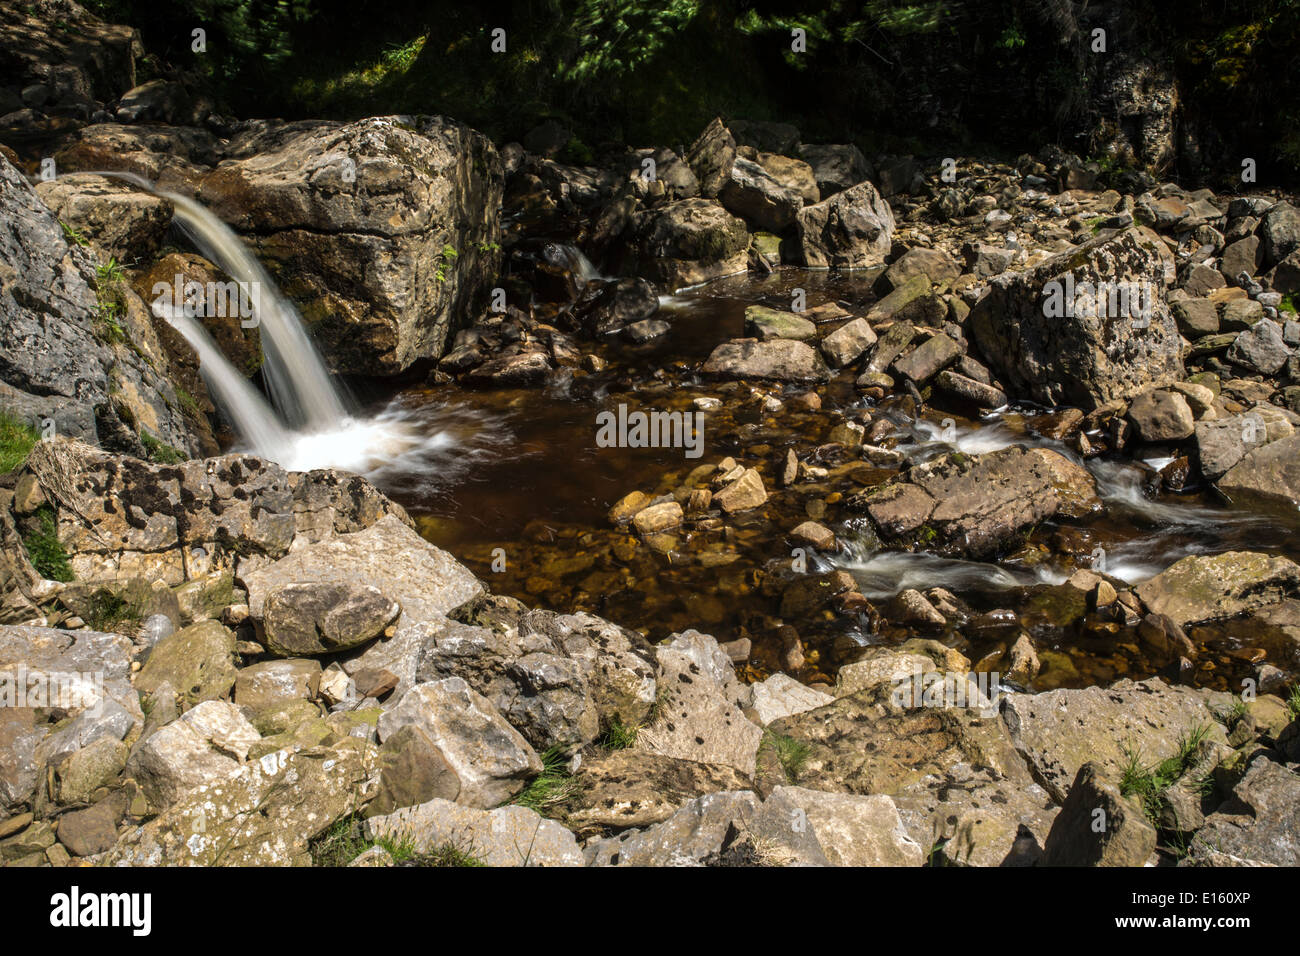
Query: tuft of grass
(44, 550)
(449, 854)
(619, 737)
(1151, 784)
(791, 754)
(345, 841)
(1233, 715)
(109, 611)
(1293, 702)
(72, 235)
(160, 453)
(340, 844)
(16, 440)
(550, 789)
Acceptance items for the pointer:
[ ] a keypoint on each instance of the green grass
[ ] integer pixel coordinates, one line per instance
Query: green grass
(16, 440)
(43, 548)
(791, 754)
(1150, 783)
(1293, 702)
(1233, 715)
(550, 789)
(1288, 303)
(72, 235)
(619, 737)
(345, 841)
(160, 453)
(109, 610)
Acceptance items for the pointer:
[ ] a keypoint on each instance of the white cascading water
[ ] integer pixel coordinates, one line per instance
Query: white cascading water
(402, 444)
(249, 412)
(295, 374)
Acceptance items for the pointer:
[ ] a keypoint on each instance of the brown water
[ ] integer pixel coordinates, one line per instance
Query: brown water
(522, 495)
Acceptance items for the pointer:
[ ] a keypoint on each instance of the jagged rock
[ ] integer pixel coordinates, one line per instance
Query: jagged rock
(854, 830)
(1097, 826)
(1161, 416)
(1260, 348)
(783, 696)
(264, 813)
(206, 743)
(953, 774)
(1259, 825)
(1080, 359)
(687, 838)
(271, 684)
(491, 760)
(1280, 232)
(711, 157)
(93, 830)
(82, 772)
(1059, 731)
(1223, 442)
(934, 264)
(506, 836)
(1270, 473)
(324, 618)
(976, 505)
(1202, 588)
(851, 230)
(106, 387)
(928, 359)
(700, 715)
(628, 788)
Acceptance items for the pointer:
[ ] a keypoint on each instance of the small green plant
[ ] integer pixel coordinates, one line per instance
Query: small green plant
(1293, 702)
(1288, 303)
(449, 854)
(160, 453)
(619, 737)
(108, 610)
(340, 844)
(109, 273)
(791, 754)
(444, 260)
(44, 550)
(1151, 784)
(1232, 716)
(550, 789)
(16, 440)
(72, 235)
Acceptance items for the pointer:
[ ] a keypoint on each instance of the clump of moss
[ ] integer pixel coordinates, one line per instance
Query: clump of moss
(16, 440)
(44, 550)
(160, 453)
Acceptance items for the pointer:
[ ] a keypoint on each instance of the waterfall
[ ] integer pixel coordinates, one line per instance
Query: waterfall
(296, 376)
(249, 412)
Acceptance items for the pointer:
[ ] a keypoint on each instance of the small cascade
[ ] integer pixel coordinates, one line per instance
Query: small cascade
(249, 412)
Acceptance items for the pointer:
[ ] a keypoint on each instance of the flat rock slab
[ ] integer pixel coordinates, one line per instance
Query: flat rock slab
(1202, 588)
(1061, 730)
(626, 789)
(425, 580)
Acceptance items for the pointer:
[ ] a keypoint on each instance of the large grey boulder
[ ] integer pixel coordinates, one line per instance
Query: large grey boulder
(491, 760)
(388, 225)
(1083, 349)
(1200, 588)
(686, 242)
(755, 195)
(505, 836)
(836, 167)
(1259, 825)
(781, 360)
(118, 220)
(851, 230)
(55, 343)
(1270, 473)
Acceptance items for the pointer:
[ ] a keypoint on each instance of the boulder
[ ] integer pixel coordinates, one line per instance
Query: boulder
(853, 829)
(851, 230)
(629, 788)
(1097, 826)
(388, 226)
(700, 716)
(756, 196)
(506, 836)
(271, 684)
(782, 360)
(711, 157)
(1280, 232)
(686, 242)
(205, 744)
(1259, 825)
(1202, 588)
(836, 167)
(977, 505)
(1260, 348)
(1270, 474)
(1069, 352)
(490, 759)
(782, 696)
(264, 813)
(1059, 731)
(1161, 416)
(848, 343)
(321, 618)
(197, 662)
(118, 220)
(687, 838)
(765, 324)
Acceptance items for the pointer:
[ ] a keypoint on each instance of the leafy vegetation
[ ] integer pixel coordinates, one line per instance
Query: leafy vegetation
(43, 547)
(1150, 784)
(160, 453)
(16, 440)
(550, 789)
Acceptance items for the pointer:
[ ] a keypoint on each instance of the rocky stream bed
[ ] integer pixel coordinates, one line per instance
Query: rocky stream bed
(987, 519)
